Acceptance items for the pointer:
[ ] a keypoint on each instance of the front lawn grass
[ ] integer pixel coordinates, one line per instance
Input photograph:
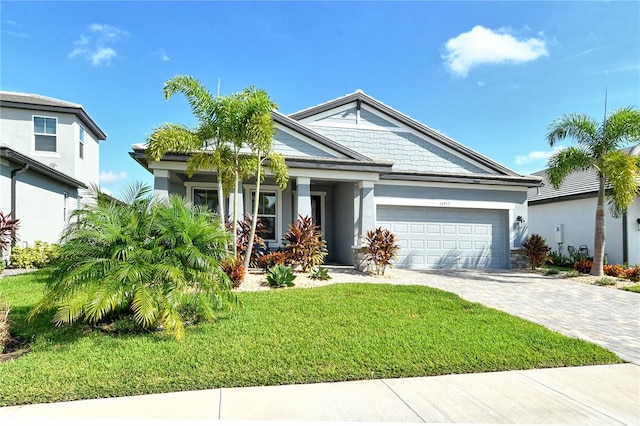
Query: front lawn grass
(333, 333)
(633, 288)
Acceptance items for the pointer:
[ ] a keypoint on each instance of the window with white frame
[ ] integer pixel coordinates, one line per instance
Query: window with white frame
(206, 197)
(45, 134)
(81, 143)
(267, 212)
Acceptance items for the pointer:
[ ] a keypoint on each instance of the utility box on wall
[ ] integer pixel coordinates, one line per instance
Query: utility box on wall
(558, 234)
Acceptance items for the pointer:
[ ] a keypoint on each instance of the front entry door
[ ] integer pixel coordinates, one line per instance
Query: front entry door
(316, 211)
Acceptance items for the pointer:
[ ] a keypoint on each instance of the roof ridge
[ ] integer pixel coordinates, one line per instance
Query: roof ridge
(41, 97)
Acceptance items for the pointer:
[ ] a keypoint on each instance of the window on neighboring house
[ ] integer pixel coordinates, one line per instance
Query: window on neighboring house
(267, 212)
(206, 197)
(44, 129)
(81, 143)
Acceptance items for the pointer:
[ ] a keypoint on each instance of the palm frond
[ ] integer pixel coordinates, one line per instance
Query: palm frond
(580, 127)
(622, 176)
(566, 161)
(199, 98)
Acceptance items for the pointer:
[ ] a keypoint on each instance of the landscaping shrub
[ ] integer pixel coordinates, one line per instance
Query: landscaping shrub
(38, 256)
(320, 273)
(243, 232)
(559, 259)
(632, 274)
(583, 266)
(380, 248)
(140, 256)
(271, 259)
(606, 281)
(4, 325)
(536, 249)
(279, 276)
(235, 271)
(8, 231)
(613, 270)
(304, 246)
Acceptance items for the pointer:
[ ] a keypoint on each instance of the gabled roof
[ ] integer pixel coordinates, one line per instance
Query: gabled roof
(43, 103)
(360, 97)
(306, 131)
(23, 160)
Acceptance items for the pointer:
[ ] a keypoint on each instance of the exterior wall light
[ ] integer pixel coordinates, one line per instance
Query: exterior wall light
(638, 220)
(520, 222)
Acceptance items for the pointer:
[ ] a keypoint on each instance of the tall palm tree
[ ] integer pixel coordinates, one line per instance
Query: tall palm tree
(141, 256)
(207, 143)
(257, 134)
(599, 147)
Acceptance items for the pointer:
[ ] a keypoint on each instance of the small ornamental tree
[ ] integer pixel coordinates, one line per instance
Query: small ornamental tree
(536, 249)
(8, 231)
(380, 248)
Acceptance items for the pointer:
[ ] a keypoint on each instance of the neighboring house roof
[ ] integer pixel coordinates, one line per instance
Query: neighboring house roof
(43, 103)
(23, 160)
(581, 184)
(360, 97)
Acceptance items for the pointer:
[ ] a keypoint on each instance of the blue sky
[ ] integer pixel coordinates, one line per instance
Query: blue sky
(491, 75)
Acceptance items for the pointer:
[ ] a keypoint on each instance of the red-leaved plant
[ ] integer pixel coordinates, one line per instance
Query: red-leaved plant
(243, 231)
(380, 248)
(8, 231)
(536, 249)
(304, 246)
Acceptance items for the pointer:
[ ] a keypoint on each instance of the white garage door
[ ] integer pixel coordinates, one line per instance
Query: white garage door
(432, 237)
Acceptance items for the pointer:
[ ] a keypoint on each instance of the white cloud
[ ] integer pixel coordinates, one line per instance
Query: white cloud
(536, 156)
(96, 46)
(485, 46)
(107, 176)
(13, 29)
(163, 55)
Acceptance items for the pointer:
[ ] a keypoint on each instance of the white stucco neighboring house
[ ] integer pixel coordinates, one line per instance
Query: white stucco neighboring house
(49, 153)
(356, 164)
(566, 217)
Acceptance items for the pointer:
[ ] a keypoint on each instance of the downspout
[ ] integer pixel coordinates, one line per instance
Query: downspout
(625, 239)
(14, 172)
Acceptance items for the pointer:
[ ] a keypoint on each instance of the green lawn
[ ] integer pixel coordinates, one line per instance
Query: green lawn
(333, 333)
(633, 288)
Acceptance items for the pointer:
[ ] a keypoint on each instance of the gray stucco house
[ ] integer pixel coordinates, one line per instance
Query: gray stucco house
(49, 153)
(356, 164)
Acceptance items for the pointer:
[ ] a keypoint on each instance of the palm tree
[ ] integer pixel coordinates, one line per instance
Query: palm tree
(207, 143)
(141, 257)
(599, 147)
(257, 133)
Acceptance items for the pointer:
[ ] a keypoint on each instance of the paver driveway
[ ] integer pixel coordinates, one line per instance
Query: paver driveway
(605, 316)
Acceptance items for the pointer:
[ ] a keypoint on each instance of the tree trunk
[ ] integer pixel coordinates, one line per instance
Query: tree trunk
(221, 202)
(234, 228)
(252, 234)
(598, 244)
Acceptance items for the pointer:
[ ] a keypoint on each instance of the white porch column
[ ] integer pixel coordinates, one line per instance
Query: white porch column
(240, 202)
(367, 207)
(303, 193)
(161, 184)
(356, 215)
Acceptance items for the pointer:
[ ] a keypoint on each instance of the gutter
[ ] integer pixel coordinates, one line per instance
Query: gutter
(14, 179)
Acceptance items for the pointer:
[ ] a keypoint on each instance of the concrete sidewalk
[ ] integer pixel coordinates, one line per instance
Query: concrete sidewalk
(574, 395)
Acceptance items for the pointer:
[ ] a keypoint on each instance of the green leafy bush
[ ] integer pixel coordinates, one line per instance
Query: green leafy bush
(380, 248)
(536, 249)
(559, 259)
(279, 276)
(141, 256)
(38, 256)
(320, 273)
(271, 259)
(605, 281)
(304, 244)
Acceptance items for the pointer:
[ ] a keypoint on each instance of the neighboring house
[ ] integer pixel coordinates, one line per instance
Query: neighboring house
(566, 217)
(356, 164)
(49, 153)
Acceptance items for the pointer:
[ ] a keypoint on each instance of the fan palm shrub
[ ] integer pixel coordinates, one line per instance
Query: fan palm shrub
(141, 257)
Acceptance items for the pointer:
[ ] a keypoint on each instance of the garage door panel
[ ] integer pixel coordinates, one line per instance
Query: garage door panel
(432, 237)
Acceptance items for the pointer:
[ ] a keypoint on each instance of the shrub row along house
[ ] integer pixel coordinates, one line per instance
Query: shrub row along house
(49, 154)
(356, 164)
